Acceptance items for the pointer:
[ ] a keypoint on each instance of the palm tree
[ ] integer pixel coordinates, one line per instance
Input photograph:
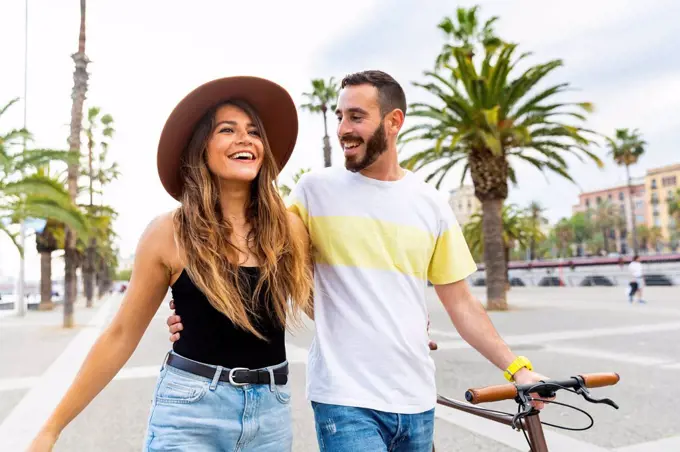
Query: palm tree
(626, 148)
(95, 122)
(50, 239)
(674, 207)
(513, 231)
(485, 119)
(595, 244)
(577, 231)
(655, 237)
(465, 34)
(535, 221)
(583, 228)
(643, 236)
(517, 230)
(25, 190)
(606, 218)
(107, 254)
(285, 189)
(80, 77)
(47, 241)
(44, 194)
(34, 196)
(564, 233)
(105, 173)
(324, 96)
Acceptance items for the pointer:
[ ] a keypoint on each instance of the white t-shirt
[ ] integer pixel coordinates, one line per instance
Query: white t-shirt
(635, 269)
(375, 246)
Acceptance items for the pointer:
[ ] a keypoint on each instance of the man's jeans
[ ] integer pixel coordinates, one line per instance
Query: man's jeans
(350, 429)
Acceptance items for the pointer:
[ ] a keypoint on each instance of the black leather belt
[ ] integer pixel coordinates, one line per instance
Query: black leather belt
(238, 376)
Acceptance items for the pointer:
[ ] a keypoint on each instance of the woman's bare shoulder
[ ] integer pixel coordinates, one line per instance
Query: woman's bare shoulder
(159, 238)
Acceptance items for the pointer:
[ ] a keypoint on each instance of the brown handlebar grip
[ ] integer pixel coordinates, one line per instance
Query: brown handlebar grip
(600, 380)
(491, 393)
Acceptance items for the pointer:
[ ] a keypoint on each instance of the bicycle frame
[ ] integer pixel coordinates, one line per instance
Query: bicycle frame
(531, 424)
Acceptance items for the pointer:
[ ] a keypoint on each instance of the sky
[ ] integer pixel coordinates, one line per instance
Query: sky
(145, 56)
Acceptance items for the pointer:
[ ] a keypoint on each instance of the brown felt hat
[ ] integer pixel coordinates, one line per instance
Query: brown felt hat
(272, 103)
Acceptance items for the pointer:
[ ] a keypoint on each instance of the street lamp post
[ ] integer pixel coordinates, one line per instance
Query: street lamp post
(21, 301)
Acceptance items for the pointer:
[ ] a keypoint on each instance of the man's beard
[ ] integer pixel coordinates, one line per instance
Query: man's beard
(376, 146)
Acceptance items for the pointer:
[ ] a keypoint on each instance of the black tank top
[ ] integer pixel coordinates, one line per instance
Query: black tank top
(211, 338)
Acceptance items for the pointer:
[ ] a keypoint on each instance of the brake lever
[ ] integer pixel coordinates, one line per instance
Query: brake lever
(528, 410)
(586, 395)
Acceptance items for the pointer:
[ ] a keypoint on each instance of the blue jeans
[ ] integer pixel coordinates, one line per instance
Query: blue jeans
(197, 414)
(350, 429)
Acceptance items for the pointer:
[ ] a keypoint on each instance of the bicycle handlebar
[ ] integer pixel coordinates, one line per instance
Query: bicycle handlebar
(600, 380)
(511, 391)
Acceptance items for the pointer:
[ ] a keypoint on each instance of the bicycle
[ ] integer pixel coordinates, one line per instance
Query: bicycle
(527, 418)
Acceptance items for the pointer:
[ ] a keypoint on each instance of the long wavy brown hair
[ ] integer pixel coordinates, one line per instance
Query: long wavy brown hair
(204, 236)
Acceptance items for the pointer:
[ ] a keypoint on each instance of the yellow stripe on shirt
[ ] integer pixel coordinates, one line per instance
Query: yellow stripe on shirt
(451, 260)
(371, 243)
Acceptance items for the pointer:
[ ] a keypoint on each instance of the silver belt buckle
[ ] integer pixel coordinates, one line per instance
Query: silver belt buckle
(231, 376)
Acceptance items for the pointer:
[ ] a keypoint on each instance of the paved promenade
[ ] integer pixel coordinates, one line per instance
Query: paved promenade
(564, 331)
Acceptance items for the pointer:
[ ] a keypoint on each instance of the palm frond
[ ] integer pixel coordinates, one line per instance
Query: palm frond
(40, 207)
(37, 186)
(12, 137)
(8, 105)
(14, 237)
(35, 158)
(466, 168)
(486, 106)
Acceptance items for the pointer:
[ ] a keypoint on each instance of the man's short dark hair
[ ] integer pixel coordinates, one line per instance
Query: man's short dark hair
(390, 93)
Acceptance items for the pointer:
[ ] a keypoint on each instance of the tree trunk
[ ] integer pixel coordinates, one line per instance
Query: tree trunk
(79, 90)
(46, 281)
(69, 284)
(108, 281)
(326, 142)
(104, 280)
(632, 211)
(494, 255)
(79, 275)
(489, 173)
(88, 272)
(507, 268)
(88, 265)
(606, 240)
(98, 277)
(91, 175)
(46, 244)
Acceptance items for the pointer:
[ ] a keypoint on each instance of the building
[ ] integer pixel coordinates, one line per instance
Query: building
(619, 196)
(662, 185)
(464, 203)
(126, 263)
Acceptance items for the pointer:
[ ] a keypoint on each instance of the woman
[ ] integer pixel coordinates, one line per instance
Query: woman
(233, 258)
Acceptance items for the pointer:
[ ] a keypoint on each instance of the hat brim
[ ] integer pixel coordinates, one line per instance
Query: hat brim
(271, 102)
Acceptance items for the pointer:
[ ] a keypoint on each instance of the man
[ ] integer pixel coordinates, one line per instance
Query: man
(378, 235)
(635, 269)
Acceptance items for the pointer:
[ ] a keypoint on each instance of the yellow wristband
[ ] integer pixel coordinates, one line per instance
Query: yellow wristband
(517, 364)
